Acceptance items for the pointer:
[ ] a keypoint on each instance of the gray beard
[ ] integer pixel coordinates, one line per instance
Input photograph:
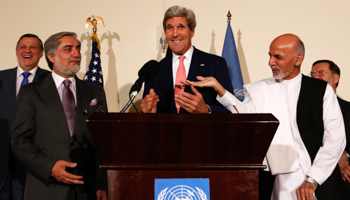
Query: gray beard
(68, 71)
(282, 75)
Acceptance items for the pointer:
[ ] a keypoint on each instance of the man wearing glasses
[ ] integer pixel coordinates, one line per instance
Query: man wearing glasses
(328, 71)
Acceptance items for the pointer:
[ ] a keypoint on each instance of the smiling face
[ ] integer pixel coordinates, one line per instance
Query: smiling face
(28, 53)
(66, 62)
(178, 35)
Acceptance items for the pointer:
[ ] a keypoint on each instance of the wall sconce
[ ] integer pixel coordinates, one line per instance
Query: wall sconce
(163, 43)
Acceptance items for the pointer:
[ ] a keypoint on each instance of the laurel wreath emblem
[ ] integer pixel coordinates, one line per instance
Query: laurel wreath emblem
(201, 193)
(162, 194)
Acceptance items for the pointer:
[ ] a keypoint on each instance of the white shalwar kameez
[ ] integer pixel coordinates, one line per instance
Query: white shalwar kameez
(287, 156)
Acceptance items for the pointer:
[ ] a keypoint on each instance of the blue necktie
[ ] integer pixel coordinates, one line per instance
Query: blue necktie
(25, 78)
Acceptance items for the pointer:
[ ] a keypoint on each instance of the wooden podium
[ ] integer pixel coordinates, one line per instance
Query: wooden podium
(226, 148)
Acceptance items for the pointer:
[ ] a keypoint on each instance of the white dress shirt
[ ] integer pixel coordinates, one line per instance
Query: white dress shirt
(187, 63)
(58, 82)
(20, 77)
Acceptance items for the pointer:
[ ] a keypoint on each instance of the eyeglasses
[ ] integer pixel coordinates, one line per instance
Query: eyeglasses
(318, 73)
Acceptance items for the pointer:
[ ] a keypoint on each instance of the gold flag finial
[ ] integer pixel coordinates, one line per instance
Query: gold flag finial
(93, 21)
(229, 16)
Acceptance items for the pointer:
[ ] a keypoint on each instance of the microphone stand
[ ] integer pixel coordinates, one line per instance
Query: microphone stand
(132, 97)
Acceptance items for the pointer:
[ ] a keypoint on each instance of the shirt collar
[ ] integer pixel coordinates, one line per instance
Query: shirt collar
(188, 54)
(59, 79)
(20, 71)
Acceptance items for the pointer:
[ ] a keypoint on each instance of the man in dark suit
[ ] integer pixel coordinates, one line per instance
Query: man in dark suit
(160, 93)
(328, 71)
(29, 50)
(49, 133)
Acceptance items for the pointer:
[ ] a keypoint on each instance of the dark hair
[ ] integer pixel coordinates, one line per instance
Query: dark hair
(53, 42)
(332, 66)
(177, 11)
(30, 35)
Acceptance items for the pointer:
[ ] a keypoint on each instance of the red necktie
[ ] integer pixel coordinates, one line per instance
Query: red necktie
(180, 76)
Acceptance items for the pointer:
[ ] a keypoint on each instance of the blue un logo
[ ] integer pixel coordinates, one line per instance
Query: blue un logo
(182, 189)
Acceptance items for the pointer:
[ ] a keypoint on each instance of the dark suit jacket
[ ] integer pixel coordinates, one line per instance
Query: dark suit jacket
(311, 128)
(345, 109)
(8, 80)
(202, 64)
(40, 137)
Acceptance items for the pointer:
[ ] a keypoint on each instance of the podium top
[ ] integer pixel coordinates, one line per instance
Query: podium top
(182, 139)
(185, 117)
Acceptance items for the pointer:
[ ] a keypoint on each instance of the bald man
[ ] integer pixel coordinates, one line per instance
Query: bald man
(311, 136)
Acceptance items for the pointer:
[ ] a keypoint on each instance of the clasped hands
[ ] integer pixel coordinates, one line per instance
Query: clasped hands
(191, 103)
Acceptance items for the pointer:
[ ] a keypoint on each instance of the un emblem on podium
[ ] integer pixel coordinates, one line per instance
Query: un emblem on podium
(182, 189)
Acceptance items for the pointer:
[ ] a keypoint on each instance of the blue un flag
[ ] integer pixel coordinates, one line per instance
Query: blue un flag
(229, 52)
(94, 74)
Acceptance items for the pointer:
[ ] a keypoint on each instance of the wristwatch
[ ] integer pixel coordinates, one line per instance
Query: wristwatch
(347, 156)
(311, 180)
(209, 109)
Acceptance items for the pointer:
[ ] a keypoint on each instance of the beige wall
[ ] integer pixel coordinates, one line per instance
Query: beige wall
(133, 27)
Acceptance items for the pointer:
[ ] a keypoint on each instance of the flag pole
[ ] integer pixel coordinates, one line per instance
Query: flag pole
(230, 54)
(94, 73)
(228, 16)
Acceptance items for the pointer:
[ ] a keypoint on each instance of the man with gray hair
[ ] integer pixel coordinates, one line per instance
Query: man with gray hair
(165, 93)
(49, 134)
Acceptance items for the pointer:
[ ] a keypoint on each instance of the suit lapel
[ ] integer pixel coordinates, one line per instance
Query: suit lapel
(167, 83)
(10, 87)
(11, 81)
(49, 94)
(168, 72)
(84, 97)
(40, 73)
(197, 66)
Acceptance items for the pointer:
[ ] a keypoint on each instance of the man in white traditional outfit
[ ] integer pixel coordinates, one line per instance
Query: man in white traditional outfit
(311, 136)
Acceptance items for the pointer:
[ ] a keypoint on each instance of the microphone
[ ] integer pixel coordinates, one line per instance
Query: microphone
(146, 73)
(99, 110)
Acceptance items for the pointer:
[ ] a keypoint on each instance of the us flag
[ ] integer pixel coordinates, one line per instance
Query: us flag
(94, 74)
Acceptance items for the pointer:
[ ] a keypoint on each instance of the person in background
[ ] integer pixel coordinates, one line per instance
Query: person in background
(29, 50)
(328, 71)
